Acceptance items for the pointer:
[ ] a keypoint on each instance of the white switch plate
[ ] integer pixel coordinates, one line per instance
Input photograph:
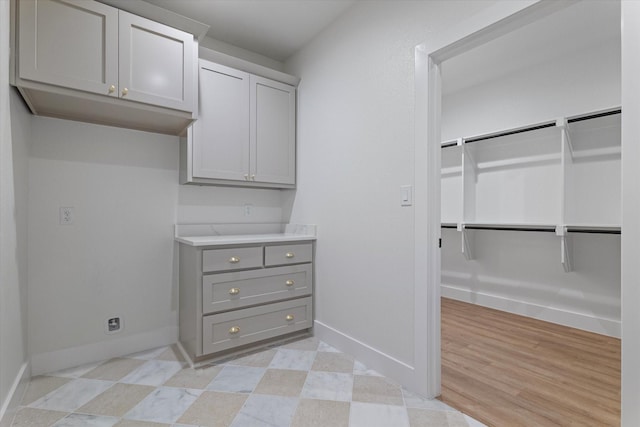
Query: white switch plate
(406, 195)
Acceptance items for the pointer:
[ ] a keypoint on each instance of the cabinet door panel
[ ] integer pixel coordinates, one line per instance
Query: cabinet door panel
(51, 50)
(155, 63)
(221, 133)
(273, 154)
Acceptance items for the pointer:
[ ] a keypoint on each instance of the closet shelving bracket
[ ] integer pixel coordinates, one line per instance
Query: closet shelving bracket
(566, 250)
(563, 125)
(468, 242)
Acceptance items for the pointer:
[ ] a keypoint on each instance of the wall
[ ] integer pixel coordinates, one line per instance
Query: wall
(118, 258)
(14, 139)
(520, 272)
(355, 150)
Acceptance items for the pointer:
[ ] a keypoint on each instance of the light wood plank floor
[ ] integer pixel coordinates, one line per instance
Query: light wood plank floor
(509, 370)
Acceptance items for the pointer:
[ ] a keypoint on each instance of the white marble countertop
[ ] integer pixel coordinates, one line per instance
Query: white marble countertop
(244, 238)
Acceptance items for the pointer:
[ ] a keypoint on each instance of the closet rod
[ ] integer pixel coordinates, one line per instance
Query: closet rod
(510, 132)
(594, 231)
(482, 227)
(595, 116)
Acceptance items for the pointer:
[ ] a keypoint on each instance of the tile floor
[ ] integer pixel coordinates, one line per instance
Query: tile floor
(305, 383)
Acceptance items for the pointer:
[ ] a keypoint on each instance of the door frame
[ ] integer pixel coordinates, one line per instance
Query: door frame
(493, 22)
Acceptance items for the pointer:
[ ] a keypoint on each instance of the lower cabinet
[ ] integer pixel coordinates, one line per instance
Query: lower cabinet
(233, 297)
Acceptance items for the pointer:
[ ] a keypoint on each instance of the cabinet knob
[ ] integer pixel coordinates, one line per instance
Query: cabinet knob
(253, 177)
(289, 255)
(289, 317)
(246, 177)
(289, 282)
(234, 260)
(125, 91)
(112, 88)
(234, 330)
(234, 291)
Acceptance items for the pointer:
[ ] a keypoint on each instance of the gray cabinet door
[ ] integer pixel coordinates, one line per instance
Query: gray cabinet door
(69, 43)
(273, 131)
(221, 133)
(156, 63)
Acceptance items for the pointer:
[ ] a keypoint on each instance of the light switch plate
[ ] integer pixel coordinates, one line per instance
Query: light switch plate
(406, 195)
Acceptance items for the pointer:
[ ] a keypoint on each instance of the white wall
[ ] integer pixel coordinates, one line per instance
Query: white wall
(118, 258)
(355, 150)
(520, 272)
(14, 139)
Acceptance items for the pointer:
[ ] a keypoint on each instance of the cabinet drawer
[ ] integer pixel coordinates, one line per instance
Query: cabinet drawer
(240, 327)
(287, 254)
(231, 259)
(243, 288)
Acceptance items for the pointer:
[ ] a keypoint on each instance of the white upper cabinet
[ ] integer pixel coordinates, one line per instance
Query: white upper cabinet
(84, 60)
(221, 133)
(52, 50)
(156, 63)
(245, 132)
(273, 131)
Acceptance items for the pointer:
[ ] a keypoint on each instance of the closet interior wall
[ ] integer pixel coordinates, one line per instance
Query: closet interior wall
(531, 221)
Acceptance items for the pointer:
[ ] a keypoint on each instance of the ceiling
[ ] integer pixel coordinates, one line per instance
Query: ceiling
(274, 28)
(575, 28)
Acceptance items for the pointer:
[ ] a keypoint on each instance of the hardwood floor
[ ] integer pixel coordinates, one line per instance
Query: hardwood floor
(509, 370)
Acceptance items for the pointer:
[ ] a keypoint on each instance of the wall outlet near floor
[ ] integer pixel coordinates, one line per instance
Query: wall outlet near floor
(67, 215)
(113, 325)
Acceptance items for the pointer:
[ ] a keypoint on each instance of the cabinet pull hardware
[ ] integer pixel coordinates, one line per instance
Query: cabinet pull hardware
(112, 88)
(289, 317)
(290, 255)
(234, 291)
(246, 177)
(289, 282)
(234, 260)
(125, 91)
(234, 330)
(253, 177)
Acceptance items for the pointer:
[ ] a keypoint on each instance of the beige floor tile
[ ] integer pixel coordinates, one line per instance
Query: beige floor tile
(114, 369)
(256, 360)
(198, 378)
(31, 417)
(308, 344)
(281, 382)
(456, 419)
(427, 417)
(214, 409)
(41, 385)
(133, 423)
(376, 390)
(117, 400)
(173, 353)
(333, 362)
(321, 413)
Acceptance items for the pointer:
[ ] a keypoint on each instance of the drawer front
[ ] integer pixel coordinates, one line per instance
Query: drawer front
(287, 254)
(236, 328)
(243, 288)
(231, 259)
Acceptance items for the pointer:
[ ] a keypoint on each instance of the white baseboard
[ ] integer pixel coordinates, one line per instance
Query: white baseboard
(582, 321)
(44, 363)
(386, 365)
(11, 403)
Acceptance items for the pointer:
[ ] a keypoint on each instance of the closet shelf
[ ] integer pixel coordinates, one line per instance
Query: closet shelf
(571, 228)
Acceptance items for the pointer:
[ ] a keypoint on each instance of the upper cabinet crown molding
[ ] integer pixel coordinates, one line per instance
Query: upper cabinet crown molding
(87, 61)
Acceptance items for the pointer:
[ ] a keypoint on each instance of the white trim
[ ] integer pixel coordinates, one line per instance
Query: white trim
(374, 359)
(491, 23)
(14, 397)
(586, 322)
(76, 356)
